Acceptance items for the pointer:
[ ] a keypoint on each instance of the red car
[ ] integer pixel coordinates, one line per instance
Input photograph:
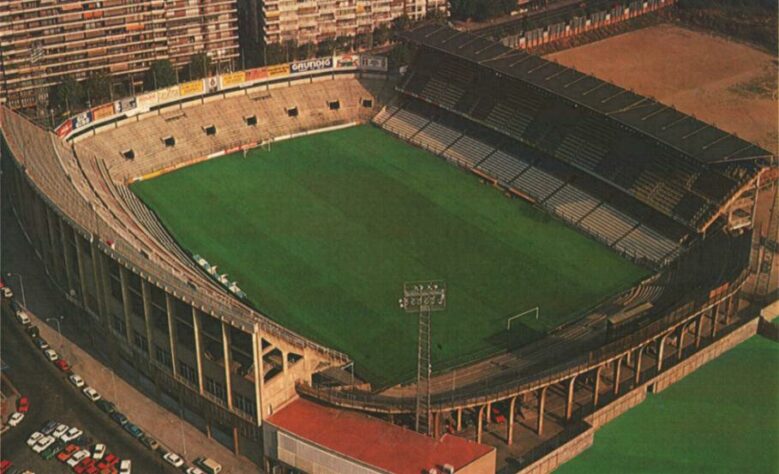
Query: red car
(62, 364)
(5, 464)
(82, 467)
(108, 461)
(23, 405)
(66, 453)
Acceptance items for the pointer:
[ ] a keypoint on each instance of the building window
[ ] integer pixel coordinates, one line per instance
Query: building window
(163, 356)
(141, 342)
(117, 323)
(215, 388)
(188, 372)
(245, 404)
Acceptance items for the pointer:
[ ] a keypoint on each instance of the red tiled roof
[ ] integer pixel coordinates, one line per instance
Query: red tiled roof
(372, 441)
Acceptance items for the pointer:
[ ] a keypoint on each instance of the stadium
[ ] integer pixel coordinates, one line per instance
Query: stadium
(244, 239)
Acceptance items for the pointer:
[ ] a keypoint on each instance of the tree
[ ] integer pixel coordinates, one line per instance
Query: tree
(274, 54)
(381, 35)
(160, 74)
(98, 88)
(326, 47)
(67, 95)
(199, 66)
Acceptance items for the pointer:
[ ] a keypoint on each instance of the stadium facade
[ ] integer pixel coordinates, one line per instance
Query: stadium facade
(638, 176)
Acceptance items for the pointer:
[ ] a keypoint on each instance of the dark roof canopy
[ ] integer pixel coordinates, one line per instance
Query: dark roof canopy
(684, 133)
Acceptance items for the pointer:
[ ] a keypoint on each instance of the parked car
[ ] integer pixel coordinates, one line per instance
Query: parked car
(173, 459)
(91, 394)
(51, 354)
(62, 364)
(208, 465)
(23, 405)
(77, 457)
(71, 434)
(98, 451)
(108, 461)
(119, 418)
(60, 430)
(52, 450)
(84, 465)
(49, 427)
(66, 453)
(40, 343)
(43, 443)
(133, 430)
(32, 331)
(15, 419)
(125, 467)
(76, 380)
(5, 465)
(23, 317)
(194, 470)
(106, 406)
(33, 439)
(149, 442)
(83, 441)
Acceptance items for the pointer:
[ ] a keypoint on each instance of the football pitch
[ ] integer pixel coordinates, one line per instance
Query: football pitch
(322, 231)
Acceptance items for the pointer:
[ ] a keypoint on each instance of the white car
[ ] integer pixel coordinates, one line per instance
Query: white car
(51, 354)
(22, 317)
(194, 470)
(43, 443)
(77, 457)
(76, 380)
(173, 459)
(34, 438)
(98, 451)
(71, 434)
(91, 394)
(15, 418)
(126, 466)
(60, 430)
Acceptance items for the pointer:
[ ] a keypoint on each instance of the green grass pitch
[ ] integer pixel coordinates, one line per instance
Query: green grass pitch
(722, 418)
(322, 231)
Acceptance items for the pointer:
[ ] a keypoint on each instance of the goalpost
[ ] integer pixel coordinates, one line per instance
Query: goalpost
(535, 310)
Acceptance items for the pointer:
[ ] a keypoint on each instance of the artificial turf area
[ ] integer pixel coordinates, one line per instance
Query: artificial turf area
(724, 417)
(322, 231)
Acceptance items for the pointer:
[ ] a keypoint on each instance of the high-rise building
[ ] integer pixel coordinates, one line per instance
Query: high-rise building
(312, 21)
(42, 41)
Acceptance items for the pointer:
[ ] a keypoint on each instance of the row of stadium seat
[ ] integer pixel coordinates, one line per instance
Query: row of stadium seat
(524, 175)
(673, 184)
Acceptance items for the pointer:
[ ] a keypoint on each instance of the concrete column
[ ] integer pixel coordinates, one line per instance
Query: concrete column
(489, 412)
(436, 424)
(236, 449)
(258, 382)
(732, 308)
(125, 303)
(171, 332)
(510, 434)
(569, 399)
(617, 375)
(459, 419)
(198, 355)
(680, 342)
(102, 303)
(698, 330)
(541, 403)
(596, 387)
(80, 264)
(227, 362)
(714, 314)
(480, 423)
(66, 255)
(146, 299)
(660, 348)
(637, 372)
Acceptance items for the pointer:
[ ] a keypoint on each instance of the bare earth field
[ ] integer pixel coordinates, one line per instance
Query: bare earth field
(721, 82)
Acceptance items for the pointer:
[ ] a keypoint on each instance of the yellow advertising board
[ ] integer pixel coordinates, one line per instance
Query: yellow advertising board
(191, 87)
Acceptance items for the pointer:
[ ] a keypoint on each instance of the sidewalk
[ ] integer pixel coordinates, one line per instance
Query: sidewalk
(167, 428)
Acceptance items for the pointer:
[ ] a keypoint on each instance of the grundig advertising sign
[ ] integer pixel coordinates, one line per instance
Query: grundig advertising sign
(317, 64)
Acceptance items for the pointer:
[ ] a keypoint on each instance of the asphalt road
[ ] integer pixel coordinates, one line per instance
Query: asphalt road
(53, 398)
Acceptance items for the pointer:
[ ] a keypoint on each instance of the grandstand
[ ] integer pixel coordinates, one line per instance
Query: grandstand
(646, 181)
